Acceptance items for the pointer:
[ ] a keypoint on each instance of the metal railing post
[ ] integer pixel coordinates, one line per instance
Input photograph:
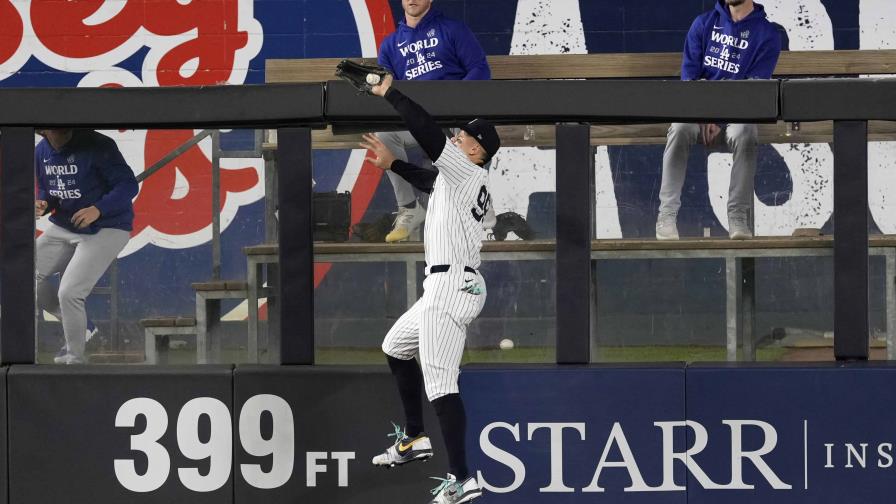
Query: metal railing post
(216, 205)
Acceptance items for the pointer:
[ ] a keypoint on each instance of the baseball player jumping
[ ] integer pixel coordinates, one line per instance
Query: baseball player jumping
(435, 328)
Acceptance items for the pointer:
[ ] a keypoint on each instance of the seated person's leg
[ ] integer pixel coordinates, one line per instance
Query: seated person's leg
(675, 161)
(410, 213)
(741, 140)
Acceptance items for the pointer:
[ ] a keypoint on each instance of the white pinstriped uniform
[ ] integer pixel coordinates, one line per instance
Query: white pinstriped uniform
(436, 326)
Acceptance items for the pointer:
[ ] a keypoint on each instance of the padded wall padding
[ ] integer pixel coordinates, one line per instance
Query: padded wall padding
(64, 443)
(338, 412)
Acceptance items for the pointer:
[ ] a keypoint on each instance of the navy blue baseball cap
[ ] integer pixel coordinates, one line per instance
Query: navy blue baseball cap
(485, 133)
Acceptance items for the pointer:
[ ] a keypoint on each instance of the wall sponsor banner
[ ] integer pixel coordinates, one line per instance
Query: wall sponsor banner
(308, 434)
(621, 434)
(112, 434)
(818, 434)
(583, 434)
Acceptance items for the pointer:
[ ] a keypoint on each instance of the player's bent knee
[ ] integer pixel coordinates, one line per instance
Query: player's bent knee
(391, 351)
(743, 134)
(682, 132)
(68, 295)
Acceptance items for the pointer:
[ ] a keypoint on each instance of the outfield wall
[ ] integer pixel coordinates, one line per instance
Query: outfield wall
(809, 434)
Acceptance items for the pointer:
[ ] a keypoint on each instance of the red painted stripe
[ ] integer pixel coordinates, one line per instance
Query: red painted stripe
(381, 19)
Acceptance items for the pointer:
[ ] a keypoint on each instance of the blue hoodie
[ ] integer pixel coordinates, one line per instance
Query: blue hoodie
(438, 48)
(89, 170)
(717, 48)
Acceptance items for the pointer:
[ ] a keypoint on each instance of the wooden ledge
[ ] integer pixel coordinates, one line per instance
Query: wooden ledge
(627, 134)
(613, 65)
(776, 242)
(168, 322)
(262, 249)
(220, 285)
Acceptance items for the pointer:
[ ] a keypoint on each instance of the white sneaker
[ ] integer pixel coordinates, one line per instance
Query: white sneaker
(738, 226)
(407, 221)
(489, 221)
(451, 491)
(69, 359)
(666, 226)
(404, 450)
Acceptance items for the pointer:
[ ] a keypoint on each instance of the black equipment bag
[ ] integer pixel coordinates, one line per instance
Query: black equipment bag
(332, 214)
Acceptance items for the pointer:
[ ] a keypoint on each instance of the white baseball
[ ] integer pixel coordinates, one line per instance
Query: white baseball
(373, 79)
(506, 344)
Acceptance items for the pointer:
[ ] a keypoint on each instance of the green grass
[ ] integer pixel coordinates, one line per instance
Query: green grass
(331, 355)
(547, 355)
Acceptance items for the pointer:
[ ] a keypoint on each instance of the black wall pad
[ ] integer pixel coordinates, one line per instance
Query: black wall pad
(338, 412)
(563, 100)
(64, 443)
(164, 107)
(575, 206)
(833, 99)
(851, 324)
(17, 245)
(296, 303)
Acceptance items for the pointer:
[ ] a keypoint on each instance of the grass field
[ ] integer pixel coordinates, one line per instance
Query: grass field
(546, 355)
(478, 355)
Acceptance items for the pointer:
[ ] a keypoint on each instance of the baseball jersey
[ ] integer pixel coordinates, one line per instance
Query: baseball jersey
(438, 48)
(453, 231)
(718, 48)
(89, 170)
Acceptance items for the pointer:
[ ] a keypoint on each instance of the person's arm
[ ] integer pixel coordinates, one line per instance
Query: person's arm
(119, 177)
(421, 178)
(692, 58)
(385, 159)
(766, 57)
(421, 125)
(470, 54)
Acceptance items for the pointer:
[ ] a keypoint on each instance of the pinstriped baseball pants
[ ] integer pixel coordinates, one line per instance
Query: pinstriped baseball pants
(436, 328)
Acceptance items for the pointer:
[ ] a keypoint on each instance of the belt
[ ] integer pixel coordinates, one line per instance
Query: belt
(441, 268)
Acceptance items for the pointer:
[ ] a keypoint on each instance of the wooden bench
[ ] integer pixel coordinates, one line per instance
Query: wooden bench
(738, 255)
(613, 65)
(620, 66)
(157, 331)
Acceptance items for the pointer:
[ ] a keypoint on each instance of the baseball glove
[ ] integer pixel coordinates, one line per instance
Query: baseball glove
(362, 77)
(374, 232)
(512, 221)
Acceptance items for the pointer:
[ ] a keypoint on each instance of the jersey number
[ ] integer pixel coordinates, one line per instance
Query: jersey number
(483, 201)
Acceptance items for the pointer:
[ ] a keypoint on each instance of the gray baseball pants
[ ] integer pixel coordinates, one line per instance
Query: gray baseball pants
(399, 142)
(81, 259)
(739, 139)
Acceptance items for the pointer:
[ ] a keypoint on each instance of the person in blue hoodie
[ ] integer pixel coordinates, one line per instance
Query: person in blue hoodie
(734, 41)
(86, 186)
(426, 46)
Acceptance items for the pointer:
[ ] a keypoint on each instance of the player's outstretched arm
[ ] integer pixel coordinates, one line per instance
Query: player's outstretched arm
(384, 159)
(421, 125)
